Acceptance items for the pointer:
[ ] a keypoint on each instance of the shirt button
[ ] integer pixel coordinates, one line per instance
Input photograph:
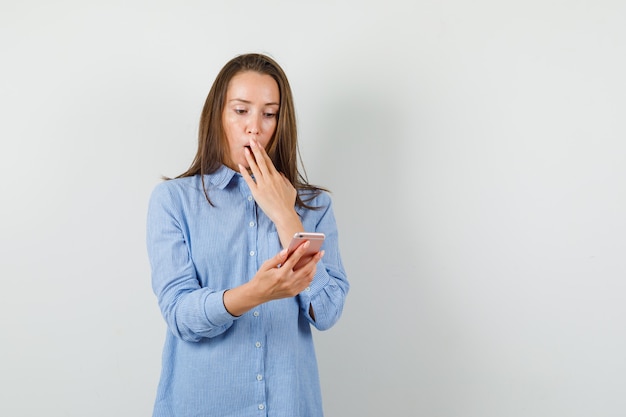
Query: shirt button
(249, 198)
(259, 377)
(256, 314)
(251, 253)
(307, 289)
(257, 344)
(261, 407)
(251, 224)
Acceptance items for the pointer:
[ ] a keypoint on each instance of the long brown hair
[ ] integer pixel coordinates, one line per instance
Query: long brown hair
(283, 146)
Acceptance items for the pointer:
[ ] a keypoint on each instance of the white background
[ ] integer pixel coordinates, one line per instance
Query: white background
(477, 157)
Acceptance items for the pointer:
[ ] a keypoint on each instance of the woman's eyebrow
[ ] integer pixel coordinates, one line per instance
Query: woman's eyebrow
(241, 100)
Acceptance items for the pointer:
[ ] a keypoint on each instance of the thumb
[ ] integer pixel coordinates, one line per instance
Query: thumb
(281, 257)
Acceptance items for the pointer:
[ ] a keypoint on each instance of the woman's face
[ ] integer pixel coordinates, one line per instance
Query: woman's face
(250, 112)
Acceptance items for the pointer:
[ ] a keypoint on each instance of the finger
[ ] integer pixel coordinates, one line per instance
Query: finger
(263, 160)
(244, 173)
(277, 261)
(252, 163)
(308, 262)
(281, 257)
(308, 273)
(297, 254)
(315, 257)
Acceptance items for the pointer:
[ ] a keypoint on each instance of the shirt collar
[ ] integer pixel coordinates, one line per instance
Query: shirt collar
(222, 177)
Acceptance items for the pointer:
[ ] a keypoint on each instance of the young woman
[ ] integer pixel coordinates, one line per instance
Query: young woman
(239, 313)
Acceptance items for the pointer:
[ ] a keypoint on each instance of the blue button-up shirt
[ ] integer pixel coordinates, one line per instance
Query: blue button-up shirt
(214, 364)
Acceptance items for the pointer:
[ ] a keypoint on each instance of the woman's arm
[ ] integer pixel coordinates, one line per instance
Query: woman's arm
(273, 192)
(190, 311)
(323, 301)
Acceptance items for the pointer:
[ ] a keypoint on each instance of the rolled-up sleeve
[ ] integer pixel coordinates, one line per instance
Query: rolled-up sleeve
(190, 311)
(328, 291)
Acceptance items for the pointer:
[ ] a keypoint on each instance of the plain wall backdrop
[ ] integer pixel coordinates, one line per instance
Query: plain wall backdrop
(477, 156)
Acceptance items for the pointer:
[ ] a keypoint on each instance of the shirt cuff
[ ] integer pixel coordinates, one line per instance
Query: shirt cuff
(320, 280)
(215, 310)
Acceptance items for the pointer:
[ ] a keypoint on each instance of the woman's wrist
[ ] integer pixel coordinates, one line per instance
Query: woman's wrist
(287, 227)
(239, 300)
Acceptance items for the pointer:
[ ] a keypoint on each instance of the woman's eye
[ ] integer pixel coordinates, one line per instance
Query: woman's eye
(240, 111)
(270, 115)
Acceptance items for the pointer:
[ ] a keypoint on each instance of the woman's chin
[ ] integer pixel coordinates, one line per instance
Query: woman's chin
(244, 164)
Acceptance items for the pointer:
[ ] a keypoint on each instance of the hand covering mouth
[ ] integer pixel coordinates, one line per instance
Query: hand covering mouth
(250, 149)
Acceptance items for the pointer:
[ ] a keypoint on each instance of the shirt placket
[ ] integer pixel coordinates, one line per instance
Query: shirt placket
(257, 340)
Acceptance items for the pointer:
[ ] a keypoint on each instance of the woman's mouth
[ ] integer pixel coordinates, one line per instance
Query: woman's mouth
(250, 150)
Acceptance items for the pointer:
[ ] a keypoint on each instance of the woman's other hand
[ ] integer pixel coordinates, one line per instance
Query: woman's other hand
(272, 191)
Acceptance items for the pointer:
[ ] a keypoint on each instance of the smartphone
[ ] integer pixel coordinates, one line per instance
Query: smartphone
(299, 238)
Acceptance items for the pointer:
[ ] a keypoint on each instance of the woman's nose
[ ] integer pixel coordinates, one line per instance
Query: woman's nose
(254, 126)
